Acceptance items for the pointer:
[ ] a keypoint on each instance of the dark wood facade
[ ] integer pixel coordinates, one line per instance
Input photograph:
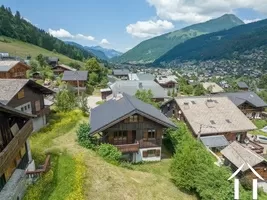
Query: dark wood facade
(58, 69)
(133, 133)
(168, 85)
(251, 111)
(18, 71)
(29, 95)
(14, 131)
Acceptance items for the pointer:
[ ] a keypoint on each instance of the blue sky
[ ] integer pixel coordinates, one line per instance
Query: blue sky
(122, 24)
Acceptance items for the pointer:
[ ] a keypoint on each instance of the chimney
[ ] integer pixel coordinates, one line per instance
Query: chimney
(210, 103)
(186, 105)
(140, 85)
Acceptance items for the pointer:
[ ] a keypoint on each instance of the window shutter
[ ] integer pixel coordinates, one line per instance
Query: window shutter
(145, 154)
(145, 135)
(158, 152)
(141, 118)
(159, 133)
(111, 138)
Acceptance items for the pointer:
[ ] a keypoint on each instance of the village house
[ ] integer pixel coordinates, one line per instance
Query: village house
(121, 73)
(141, 77)
(167, 82)
(212, 87)
(236, 154)
(13, 69)
(59, 69)
(248, 102)
(27, 96)
(76, 79)
(15, 153)
(242, 86)
(131, 87)
(134, 127)
(52, 61)
(209, 116)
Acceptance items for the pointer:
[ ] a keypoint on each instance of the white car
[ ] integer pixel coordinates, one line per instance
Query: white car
(261, 139)
(264, 129)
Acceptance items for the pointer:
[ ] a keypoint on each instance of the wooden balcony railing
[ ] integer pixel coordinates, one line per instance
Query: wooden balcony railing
(150, 143)
(124, 148)
(11, 150)
(38, 172)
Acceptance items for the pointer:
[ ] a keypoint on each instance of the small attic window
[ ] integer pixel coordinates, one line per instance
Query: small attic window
(228, 121)
(186, 103)
(209, 100)
(215, 101)
(212, 122)
(193, 102)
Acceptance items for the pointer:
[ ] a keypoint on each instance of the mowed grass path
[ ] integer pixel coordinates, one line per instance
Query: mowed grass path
(18, 48)
(104, 181)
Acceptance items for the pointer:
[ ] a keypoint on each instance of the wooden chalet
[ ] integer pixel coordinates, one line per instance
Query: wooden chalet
(27, 96)
(134, 127)
(167, 82)
(13, 69)
(121, 73)
(76, 79)
(15, 153)
(52, 61)
(59, 69)
(209, 116)
(248, 102)
(236, 154)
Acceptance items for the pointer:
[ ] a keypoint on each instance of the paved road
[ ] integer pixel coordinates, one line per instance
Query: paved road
(91, 101)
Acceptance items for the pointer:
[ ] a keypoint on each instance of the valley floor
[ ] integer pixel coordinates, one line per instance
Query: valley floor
(106, 181)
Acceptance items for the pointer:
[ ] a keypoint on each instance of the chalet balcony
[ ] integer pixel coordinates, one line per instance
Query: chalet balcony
(150, 143)
(10, 152)
(128, 148)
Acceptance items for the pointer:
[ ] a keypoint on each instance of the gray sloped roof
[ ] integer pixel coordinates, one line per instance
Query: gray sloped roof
(239, 98)
(242, 85)
(121, 72)
(5, 66)
(131, 87)
(10, 87)
(238, 155)
(214, 141)
(66, 67)
(104, 115)
(75, 75)
(141, 77)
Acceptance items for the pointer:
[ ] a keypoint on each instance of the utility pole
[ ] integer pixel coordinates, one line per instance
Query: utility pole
(78, 88)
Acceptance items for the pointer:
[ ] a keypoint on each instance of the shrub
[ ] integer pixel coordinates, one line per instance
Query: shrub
(83, 136)
(110, 153)
(65, 100)
(100, 102)
(89, 89)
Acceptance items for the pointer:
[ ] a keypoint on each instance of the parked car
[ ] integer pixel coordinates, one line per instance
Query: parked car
(264, 129)
(261, 139)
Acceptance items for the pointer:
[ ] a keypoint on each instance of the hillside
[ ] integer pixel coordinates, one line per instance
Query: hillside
(14, 26)
(150, 50)
(225, 44)
(110, 53)
(96, 53)
(22, 49)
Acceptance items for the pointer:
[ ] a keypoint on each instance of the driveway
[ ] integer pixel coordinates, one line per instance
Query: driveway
(91, 101)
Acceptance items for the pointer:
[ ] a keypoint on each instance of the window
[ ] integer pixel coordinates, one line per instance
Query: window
(37, 105)
(151, 153)
(134, 118)
(120, 137)
(212, 122)
(193, 102)
(151, 134)
(21, 94)
(215, 101)
(22, 109)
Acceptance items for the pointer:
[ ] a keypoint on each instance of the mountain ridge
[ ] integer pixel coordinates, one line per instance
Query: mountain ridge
(149, 50)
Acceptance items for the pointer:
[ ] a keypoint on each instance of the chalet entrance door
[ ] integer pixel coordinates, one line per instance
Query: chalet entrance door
(133, 136)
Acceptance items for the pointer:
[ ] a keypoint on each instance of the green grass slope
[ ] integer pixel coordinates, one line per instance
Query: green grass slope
(18, 48)
(150, 50)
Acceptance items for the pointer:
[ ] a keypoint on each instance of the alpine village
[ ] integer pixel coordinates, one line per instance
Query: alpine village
(186, 121)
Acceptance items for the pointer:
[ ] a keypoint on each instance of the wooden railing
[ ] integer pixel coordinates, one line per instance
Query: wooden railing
(124, 148)
(38, 172)
(11, 150)
(150, 143)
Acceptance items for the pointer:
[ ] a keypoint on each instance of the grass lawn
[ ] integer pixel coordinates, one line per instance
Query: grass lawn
(260, 123)
(101, 180)
(18, 48)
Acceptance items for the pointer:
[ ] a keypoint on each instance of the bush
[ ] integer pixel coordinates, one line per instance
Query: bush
(110, 153)
(83, 137)
(100, 102)
(89, 89)
(65, 100)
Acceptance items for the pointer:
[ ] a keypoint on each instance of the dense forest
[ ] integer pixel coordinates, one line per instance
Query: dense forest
(16, 27)
(220, 45)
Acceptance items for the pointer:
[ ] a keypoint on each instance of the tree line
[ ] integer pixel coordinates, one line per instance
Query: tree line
(16, 27)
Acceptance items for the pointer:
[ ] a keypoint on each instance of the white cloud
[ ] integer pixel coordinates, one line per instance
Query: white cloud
(150, 28)
(62, 33)
(81, 36)
(247, 21)
(104, 42)
(193, 11)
